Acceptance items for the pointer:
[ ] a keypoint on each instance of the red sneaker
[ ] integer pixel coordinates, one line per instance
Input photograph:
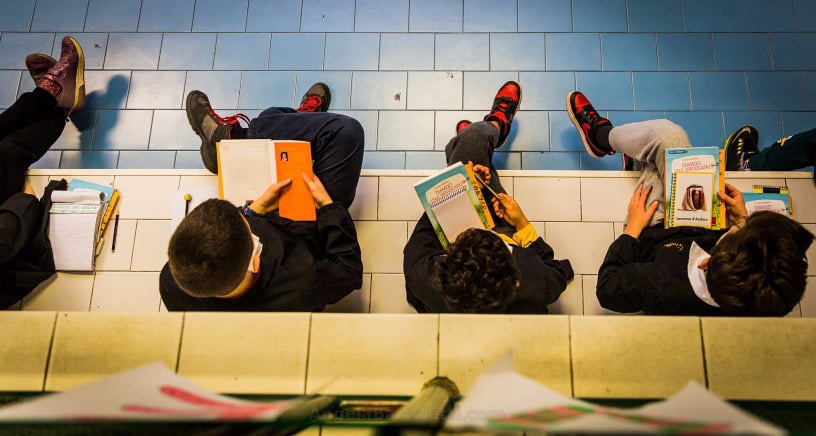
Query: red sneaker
(462, 125)
(504, 109)
(587, 120)
(316, 99)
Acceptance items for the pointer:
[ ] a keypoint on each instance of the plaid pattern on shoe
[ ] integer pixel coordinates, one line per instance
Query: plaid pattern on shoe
(38, 64)
(740, 145)
(68, 74)
(316, 99)
(587, 121)
(209, 126)
(505, 105)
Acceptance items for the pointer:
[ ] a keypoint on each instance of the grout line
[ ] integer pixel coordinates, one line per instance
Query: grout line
(50, 350)
(181, 337)
(31, 21)
(308, 353)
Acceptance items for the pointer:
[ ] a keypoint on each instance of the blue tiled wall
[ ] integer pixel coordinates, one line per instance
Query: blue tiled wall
(409, 69)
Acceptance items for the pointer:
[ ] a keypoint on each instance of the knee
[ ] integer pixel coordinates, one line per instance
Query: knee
(674, 136)
(350, 132)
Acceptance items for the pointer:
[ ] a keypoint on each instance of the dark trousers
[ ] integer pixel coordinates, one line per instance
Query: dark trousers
(787, 154)
(27, 130)
(337, 145)
(476, 143)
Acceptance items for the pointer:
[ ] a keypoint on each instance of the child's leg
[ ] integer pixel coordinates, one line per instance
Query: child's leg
(476, 144)
(787, 154)
(647, 141)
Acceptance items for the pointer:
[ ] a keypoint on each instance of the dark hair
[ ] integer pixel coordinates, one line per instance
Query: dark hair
(479, 274)
(760, 270)
(210, 250)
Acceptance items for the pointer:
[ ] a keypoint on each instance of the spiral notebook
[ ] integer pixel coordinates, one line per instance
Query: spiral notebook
(454, 202)
(73, 228)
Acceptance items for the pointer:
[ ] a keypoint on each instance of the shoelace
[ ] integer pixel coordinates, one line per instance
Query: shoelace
(230, 120)
(590, 111)
(311, 104)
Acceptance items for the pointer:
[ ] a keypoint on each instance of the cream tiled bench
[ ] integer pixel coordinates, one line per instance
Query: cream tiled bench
(393, 354)
(578, 212)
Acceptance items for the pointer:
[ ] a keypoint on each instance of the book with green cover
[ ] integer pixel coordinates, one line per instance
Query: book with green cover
(772, 198)
(454, 203)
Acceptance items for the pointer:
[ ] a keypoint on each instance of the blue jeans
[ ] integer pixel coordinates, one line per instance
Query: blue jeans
(337, 145)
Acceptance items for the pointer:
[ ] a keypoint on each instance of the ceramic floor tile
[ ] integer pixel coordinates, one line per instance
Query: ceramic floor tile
(571, 301)
(198, 182)
(405, 130)
(606, 199)
(445, 127)
(126, 292)
(378, 90)
(120, 259)
(388, 294)
(591, 304)
(38, 183)
(435, 90)
(470, 344)
(23, 359)
(145, 197)
(584, 244)
(382, 243)
(88, 346)
(150, 248)
(634, 357)
(760, 359)
(365, 200)
(801, 190)
(247, 353)
(358, 301)
(398, 200)
(64, 291)
(549, 198)
(372, 354)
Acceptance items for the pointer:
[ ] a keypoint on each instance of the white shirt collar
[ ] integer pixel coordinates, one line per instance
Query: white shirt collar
(697, 276)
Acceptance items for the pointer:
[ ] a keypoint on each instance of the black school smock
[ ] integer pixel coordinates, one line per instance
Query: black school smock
(304, 267)
(650, 274)
(543, 278)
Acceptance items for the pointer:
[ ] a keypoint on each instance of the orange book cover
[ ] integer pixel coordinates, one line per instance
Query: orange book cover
(292, 159)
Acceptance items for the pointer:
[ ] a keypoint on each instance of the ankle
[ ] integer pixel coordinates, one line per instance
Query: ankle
(495, 124)
(51, 87)
(602, 136)
(238, 133)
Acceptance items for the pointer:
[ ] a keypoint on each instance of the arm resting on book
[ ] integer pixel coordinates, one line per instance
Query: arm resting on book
(622, 280)
(341, 271)
(20, 217)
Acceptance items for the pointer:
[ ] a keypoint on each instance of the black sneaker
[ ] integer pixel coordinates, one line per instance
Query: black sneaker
(740, 145)
(505, 105)
(587, 120)
(210, 127)
(316, 99)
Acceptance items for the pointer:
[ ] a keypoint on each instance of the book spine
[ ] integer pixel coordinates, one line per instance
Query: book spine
(108, 212)
(717, 205)
(485, 216)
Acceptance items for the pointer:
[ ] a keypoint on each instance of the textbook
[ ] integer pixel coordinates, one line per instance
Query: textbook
(73, 228)
(246, 167)
(111, 198)
(454, 202)
(772, 198)
(693, 177)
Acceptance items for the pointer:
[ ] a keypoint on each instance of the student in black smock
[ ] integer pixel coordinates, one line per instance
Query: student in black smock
(509, 270)
(756, 268)
(27, 130)
(223, 258)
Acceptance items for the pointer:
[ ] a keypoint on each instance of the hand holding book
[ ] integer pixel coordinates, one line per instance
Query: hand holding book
(639, 216)
(508, 209)
(268, 201)
(735, 209)
(319, 194)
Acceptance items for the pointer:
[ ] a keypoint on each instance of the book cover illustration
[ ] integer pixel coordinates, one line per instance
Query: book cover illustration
(686, 203)
(453, 202)
(772, 198)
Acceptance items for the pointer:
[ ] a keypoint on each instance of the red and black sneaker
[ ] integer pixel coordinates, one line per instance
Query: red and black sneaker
(210, 127)
(505, 105)
(462, 125)
(316, 99)
(628, 162)
(587, 120)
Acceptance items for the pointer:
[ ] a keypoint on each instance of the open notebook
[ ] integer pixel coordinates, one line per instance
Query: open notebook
(73, 228)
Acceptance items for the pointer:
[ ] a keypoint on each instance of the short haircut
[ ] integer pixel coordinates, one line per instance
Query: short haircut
(479, 274)
(210, 250)
(761, 270)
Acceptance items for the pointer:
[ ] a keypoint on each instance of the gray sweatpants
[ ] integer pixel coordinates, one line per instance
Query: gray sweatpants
(646, 142)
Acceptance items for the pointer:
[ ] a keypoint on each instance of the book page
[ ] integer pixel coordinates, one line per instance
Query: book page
(456, 215)
(244, 171)
(292, 159)
(73, 240)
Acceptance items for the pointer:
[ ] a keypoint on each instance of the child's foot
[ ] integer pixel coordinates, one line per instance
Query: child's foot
(739, 147)
(210, 127)
(462, 125)
(65, 80)
(38, 64)
(587, 120)
(316, 99)
(505, 105)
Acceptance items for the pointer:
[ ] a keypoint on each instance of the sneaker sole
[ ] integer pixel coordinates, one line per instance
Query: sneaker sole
(580, 130)
(79, 90)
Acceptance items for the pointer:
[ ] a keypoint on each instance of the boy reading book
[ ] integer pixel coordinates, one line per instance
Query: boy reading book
(755, 268)
(27, 130)
(507, 270)
(226, 258)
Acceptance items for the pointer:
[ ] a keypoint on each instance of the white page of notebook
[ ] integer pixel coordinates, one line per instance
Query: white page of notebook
(457, 215)
(73, 240)
(245, 168)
